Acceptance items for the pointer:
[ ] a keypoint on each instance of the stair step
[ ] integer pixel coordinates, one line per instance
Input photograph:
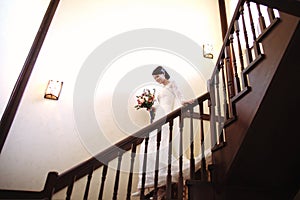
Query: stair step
(199, 190)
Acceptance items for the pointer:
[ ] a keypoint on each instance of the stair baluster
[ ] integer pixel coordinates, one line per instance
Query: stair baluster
(255, 44)
(49, 185)
(233, 60)
(87, 188)
(212, 111)
(237, 32)
(222, 69)
(204, 176)
(117, 178)
(230, 80)
(218, 106)
(271, 14)
(261, 19)
(241, 58)
(104, 173)
(142, 194)
(70, 188)
(133, 153)
(180, 177)
(169, 176)
(158, 140)
(248, 50)
(192, 157)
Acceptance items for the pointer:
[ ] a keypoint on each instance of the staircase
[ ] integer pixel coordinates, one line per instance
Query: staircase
(252, 115)
(262, 160)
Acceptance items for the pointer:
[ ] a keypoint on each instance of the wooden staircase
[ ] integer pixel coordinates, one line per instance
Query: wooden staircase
(264, 155)
(252, 110)
(256, 158)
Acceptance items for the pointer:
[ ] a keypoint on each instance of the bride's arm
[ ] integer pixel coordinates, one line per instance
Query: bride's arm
(179, 95)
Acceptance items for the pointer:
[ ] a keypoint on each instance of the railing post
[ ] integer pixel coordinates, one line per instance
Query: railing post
(271, 14)
(218, 108)
(158, 139)
(261, 19)
(70, 188)
(229, 72)
(180, 177)
(104, 173)
(204, 176)
(192, 159)
(133, 153)
(169, 176)
(255, 45)
(226, 110)
(237, 32)
(87, 188)
(212, 104)
(249, 54)
(142, 195)
(233, 62)
(117, 178)
(230, 79)
(49, 185)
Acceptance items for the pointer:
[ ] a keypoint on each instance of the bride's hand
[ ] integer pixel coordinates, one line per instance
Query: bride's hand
(191, 101)
(152, 109)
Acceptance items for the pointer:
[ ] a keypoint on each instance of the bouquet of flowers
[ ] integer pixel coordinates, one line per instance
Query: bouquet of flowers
(145, 100)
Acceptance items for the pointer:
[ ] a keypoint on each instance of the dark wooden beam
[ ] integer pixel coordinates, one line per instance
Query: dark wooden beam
(223, 18)
(19, 88)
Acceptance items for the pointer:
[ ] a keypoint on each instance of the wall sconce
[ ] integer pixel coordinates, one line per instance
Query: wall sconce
(208, 51)
(53, 89)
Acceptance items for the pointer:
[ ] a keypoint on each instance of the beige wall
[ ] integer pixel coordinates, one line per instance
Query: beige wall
(230, 8)
(19, 22)
(46, 135)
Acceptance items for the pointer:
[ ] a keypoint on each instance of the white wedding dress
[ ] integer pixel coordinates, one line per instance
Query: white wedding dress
(169, 98)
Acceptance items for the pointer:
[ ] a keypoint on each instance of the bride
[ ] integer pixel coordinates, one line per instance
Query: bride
(167, 100)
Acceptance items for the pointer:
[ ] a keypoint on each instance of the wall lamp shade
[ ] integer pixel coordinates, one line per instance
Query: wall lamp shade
(208, 51)
(53, 89)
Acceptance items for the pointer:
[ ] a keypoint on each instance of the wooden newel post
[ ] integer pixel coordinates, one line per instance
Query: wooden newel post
(230, 78)
(49, 185)
(229, 70)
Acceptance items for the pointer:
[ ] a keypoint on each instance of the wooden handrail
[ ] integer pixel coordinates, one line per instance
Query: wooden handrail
(18, 194)
(288, 7)
(226, 38)
(57, 182)
(46, 193)
(111, 153)
(235, 81)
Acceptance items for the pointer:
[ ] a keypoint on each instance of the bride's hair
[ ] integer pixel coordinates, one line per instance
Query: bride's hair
(160, 70)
